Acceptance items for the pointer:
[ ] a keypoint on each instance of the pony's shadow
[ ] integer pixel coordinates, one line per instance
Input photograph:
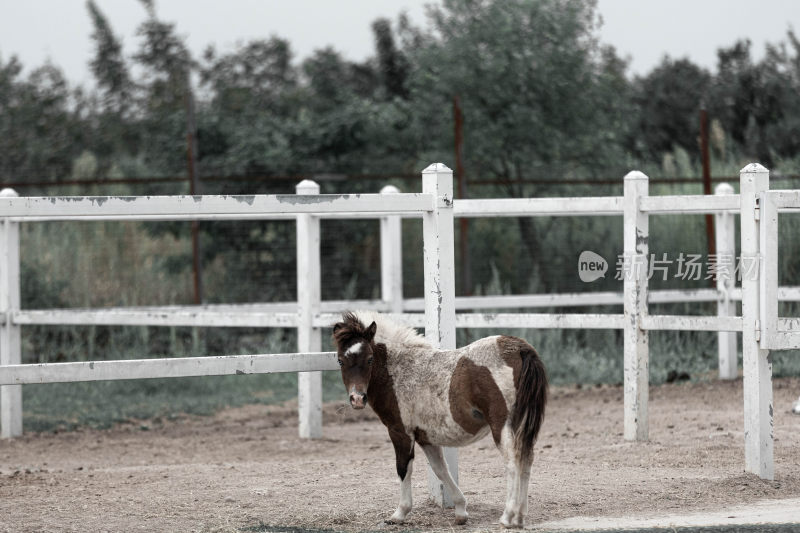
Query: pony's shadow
(427, 514)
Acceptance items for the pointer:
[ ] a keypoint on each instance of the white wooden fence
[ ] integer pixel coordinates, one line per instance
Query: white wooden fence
(437, 208)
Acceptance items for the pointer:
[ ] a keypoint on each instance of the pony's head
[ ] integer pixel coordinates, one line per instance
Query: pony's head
(355, 347)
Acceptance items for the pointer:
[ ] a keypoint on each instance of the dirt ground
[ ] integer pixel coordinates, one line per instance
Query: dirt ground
(246, 466)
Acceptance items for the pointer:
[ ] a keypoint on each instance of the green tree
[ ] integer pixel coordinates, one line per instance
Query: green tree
(668, 101)
(758, 103)
(115, 131)
(108, 65)
(393, 64)
(245, 126)
(167, 67)
(255, 76)
(538, 93)
(41, 128)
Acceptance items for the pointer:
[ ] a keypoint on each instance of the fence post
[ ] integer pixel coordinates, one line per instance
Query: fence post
(725, 237)
(756, 363)
(440, 288)
(636, 348)
(309, 338)
(10, 345)
(392, 258)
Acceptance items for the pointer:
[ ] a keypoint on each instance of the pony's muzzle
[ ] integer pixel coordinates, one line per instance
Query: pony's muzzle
(358, 400)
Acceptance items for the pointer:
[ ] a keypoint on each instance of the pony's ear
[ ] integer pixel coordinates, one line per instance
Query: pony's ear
(369, 334)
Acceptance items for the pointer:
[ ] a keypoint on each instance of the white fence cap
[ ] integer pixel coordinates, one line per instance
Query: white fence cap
(723, 188)
(754, 168)
(636, 175)
(436, 167)
(307, 187)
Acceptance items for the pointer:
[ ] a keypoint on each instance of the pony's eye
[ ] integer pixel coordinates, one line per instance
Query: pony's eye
(369, 361)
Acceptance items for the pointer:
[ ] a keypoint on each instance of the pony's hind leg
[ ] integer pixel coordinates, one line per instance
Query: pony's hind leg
(404, 455)
(518, 472)
(439, 466)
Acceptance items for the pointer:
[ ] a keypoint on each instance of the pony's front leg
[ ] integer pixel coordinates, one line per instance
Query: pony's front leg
(439, 466)
(404, 456)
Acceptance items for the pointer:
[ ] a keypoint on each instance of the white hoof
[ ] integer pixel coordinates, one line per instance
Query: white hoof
(511, 521)
(461, 519)
(398, 517)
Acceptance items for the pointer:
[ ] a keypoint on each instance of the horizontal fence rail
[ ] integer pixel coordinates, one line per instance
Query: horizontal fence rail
(284, 314)
(516, 207)
(709, 204)
(178, 318)
(540, 320)
(785, 294)
(785, 340)
(215, 217)
(276, 315)
(178, 367)
(345, 206)
(164, 207)
(521, 301)
(504, 320)
(689, 204)
(691, 323)
(327, 319)
(787, 201)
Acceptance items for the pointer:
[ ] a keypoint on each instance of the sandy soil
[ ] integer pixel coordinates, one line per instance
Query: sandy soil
(246, 466)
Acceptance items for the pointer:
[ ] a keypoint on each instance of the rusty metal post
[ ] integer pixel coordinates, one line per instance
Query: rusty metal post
(711, 242)
(463, 248)
(194, 188)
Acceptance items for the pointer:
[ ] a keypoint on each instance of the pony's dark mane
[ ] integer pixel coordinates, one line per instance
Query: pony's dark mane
(396, 336)
(348, 329)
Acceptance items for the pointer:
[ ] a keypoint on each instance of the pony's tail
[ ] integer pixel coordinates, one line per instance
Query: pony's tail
(528, 414)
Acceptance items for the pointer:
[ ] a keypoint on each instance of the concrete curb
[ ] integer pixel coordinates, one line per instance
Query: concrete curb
(762, 512)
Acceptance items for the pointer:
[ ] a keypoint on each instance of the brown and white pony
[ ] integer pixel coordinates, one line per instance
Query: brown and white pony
(441, 398)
